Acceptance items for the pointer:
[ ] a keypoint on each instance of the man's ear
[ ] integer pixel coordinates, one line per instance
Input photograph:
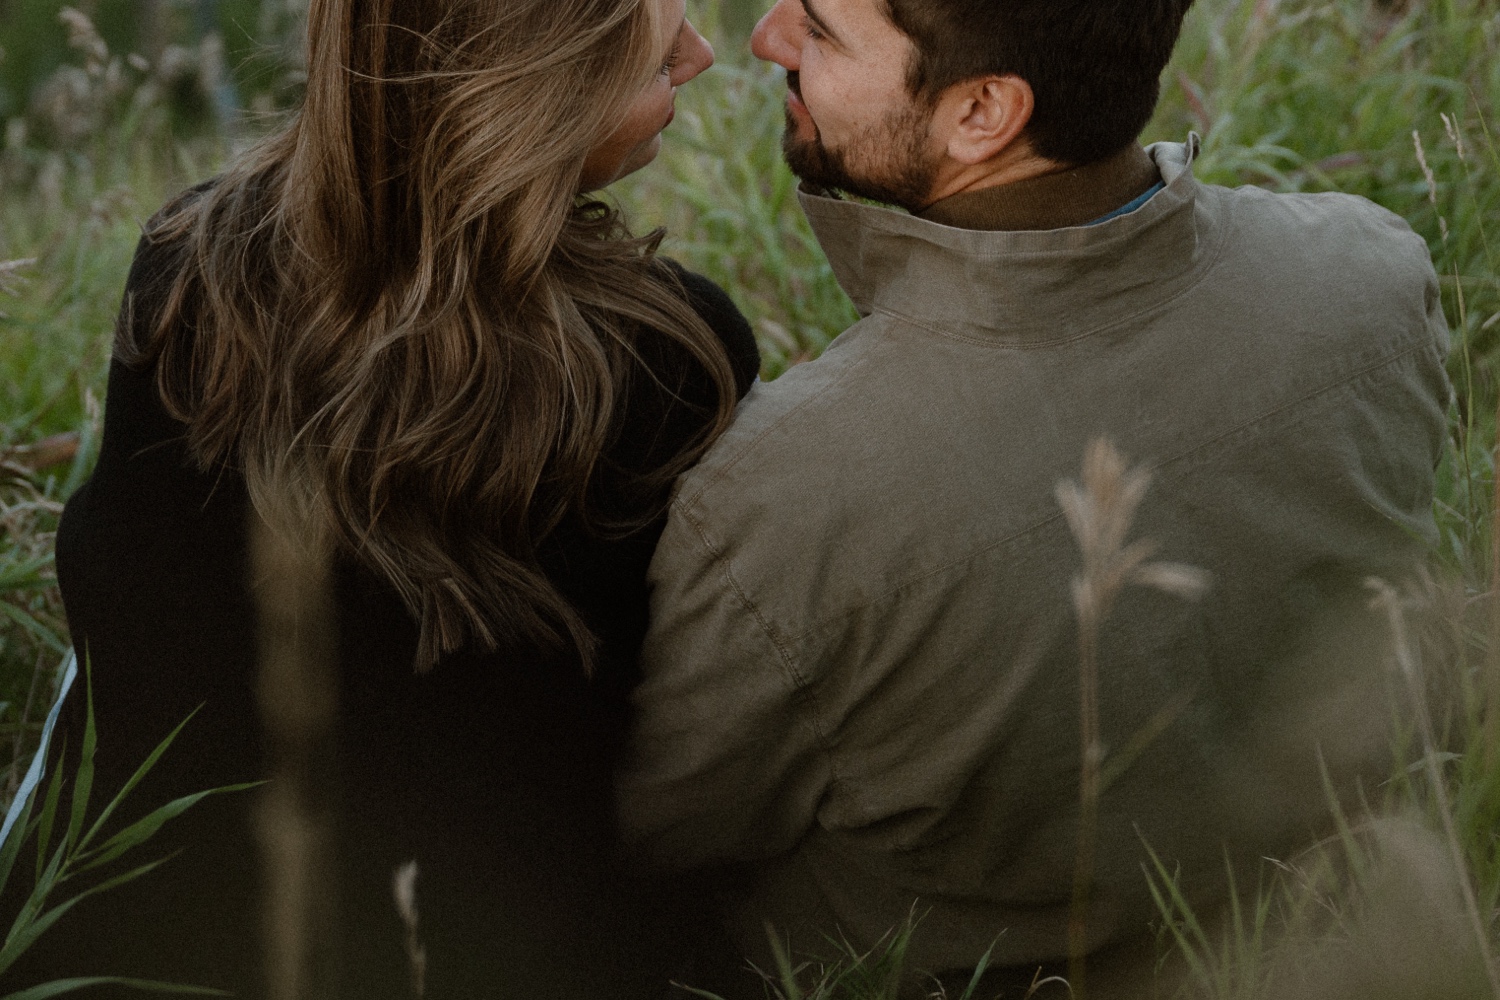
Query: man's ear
(983, 117)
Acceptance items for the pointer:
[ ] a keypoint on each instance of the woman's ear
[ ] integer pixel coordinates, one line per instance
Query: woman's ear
(981, 118)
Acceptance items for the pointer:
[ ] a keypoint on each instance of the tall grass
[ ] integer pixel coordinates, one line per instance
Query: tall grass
(79, 172)
(1394, 101)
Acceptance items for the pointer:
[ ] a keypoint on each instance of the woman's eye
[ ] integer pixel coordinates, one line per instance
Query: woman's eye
(671, 63)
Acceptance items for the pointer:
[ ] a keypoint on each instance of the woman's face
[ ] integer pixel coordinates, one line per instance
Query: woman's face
(684, 54)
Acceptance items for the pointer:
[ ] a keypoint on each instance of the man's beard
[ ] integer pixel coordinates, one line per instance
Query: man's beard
(886, 162)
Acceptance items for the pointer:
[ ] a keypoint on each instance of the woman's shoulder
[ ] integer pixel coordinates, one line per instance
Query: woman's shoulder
(713, 304)
(138, 429)
(160, 254)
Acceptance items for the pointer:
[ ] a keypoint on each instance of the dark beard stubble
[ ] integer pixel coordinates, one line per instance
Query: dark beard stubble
(887, 162)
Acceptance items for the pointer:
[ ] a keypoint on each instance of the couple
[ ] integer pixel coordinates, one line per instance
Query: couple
(634, 656)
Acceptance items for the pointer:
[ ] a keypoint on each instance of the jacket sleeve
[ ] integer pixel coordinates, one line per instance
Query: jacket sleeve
(726, 761)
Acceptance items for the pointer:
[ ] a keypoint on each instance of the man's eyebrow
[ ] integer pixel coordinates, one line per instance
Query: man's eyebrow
(818, 22)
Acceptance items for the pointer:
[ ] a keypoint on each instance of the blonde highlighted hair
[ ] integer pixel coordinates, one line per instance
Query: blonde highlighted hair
(401, 323)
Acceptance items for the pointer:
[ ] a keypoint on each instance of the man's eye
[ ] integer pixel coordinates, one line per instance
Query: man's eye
(811, 29)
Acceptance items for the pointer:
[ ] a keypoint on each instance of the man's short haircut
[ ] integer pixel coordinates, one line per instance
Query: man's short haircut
(1094, 66)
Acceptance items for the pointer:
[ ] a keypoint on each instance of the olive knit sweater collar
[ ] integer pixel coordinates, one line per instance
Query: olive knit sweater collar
(1072, 197)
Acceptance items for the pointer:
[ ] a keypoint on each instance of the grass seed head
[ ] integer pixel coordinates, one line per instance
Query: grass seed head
(85, 39)
(1099, 510)
(11, 278)
(10, 274)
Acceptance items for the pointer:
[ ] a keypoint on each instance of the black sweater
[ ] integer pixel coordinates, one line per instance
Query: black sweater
(492, 771)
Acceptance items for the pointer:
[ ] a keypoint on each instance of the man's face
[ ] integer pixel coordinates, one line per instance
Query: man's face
(851, 124)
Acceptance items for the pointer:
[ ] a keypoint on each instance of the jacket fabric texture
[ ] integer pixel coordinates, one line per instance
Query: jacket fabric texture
(861, 680)
(492, 771)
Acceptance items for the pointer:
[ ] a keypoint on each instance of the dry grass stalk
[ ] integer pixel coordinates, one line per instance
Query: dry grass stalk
(1492, 658)
(1389, 601)
(1427, 174)
(32, 620)
(297, 694)
(10, 274)
(11, 278)
(1099, 511)
(26, 459)
(85, 39)
(404, 888)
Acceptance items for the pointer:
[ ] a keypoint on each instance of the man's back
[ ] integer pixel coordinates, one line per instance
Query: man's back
(862, 676)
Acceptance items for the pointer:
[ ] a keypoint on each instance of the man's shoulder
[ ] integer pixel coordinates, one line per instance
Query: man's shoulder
(785, 427)
(1341, 235)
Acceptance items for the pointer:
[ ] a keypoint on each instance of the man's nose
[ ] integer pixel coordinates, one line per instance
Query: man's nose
(775, 37)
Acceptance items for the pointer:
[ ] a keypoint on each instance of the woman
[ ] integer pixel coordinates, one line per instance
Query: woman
(395, 332)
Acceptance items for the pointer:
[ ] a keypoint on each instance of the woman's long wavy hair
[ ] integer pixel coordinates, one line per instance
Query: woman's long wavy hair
(401, 323)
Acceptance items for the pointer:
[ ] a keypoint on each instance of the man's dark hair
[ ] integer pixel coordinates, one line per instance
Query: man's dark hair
(1094, 66)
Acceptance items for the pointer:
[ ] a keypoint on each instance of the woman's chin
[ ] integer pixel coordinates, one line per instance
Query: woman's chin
(639, 157)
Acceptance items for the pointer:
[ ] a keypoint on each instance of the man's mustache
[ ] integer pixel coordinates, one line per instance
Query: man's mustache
(794, 82)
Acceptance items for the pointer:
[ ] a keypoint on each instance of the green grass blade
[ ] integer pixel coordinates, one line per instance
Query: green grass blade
(49, 811)
(20, 940)
(135, 779)
(146, 827)
(14, 838)
(26, 920)
(681, 986)
(45, 635)
(60, 986)
(25, 574)
(83, 460)
(784, 968)
(83, 782)
(1192, 940)
(984, 963)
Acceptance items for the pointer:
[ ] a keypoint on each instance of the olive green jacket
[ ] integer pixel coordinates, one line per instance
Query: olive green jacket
(862, 674)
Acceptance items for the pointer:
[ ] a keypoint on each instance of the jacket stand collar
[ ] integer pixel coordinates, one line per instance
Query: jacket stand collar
(1028, 287)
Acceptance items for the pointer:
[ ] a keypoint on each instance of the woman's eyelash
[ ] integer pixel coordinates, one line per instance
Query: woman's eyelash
(671, 63)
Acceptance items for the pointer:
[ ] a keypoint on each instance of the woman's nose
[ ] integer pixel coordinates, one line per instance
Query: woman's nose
(775, 37)
(697, 55)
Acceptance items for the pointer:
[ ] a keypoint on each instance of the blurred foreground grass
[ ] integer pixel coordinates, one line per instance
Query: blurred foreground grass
(1394, 102)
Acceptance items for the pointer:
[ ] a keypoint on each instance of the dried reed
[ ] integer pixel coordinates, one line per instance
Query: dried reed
(1391, 603)
(297, 690)
(404, 889)
(1099, 511)
(11, 278)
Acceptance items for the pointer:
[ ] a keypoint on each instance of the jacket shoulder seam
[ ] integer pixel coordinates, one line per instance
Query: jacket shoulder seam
(1152, 467)
(799, 684)
(688, 500)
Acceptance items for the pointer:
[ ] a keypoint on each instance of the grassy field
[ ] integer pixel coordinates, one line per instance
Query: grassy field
(1393, 101)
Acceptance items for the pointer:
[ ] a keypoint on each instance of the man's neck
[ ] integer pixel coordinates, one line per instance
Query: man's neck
(1050, 199)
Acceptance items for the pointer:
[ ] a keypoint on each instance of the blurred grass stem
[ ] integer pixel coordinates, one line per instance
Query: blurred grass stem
(1099, 511)
(1388, 600)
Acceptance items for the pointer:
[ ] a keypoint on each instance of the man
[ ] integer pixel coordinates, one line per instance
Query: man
(862, 682)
